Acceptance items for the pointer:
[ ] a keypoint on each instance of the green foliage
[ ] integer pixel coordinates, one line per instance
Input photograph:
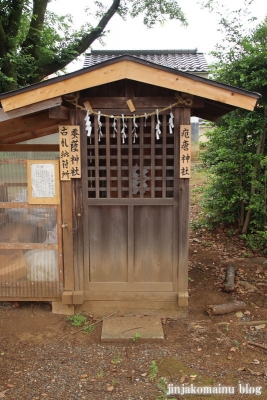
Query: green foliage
(35, 42)
(162, 385)
(77, 320)
(88, 329)
(136, 337)
(236, 151)
(153, 370)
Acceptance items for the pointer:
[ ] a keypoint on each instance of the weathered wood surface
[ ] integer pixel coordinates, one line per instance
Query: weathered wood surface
(30, 147)
(31, 109)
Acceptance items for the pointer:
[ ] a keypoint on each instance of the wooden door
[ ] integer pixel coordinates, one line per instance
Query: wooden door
(131, 230)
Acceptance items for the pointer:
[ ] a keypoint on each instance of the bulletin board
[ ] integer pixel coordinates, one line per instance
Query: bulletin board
(43, 182)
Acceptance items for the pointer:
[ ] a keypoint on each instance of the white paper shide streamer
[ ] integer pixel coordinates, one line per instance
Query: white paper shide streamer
(158, 131)
(114, 125)
(171, 124)
(134, 129)
(88, 125)
(124, 126)
(99, 123)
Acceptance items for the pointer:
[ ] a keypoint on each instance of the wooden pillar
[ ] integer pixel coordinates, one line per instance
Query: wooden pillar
(78, 220)
(182, 117)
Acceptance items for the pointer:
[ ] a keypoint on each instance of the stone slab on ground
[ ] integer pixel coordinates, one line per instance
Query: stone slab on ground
(59, 308)
(135, 328)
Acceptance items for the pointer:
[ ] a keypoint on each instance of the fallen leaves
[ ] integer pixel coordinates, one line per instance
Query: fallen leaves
(2, 394)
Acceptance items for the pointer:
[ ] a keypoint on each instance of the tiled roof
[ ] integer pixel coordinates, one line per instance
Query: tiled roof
(183, 60)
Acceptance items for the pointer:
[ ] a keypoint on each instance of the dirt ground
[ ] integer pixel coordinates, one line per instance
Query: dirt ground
(43, 357)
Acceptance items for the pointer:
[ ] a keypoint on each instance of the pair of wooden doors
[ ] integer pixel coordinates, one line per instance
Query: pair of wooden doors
(130, 236)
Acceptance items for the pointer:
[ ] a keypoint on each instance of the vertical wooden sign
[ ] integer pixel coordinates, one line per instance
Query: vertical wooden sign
(185, 151)
(70, 152)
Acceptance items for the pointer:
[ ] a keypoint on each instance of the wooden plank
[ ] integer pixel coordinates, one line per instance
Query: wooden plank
(66, 199)
(130, 105)
(152, 171)
(153, 243)
(131, 296)
(77, 118)
(130, 243)
(60, 247)
(130, 158)
(59, 112)
(176, 196)
(126, 69)
(108, 132)
(140, 103)
(33, 108)
(141, 156)
(12, 296)
(95, 138)
(32, 134)
(67, 297)
(119, 160)
(174, 81)
(133, 307)
(78, 297)
(108, 244)
(164, 155)
(99, 76)
(23, 205)
(84, 210)
(133, 201)
(29, 147)
(26, 123)
(130, 286)
(183, 230)
(27, 246)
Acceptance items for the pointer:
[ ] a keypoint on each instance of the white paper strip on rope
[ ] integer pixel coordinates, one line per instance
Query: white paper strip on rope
(114, 125)
(158, 131)
(124, 126)
(88, 125)
(99, 129)
(134, 129)
(171, 124)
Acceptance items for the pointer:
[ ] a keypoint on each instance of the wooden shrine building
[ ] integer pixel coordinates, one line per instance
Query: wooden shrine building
(94, 185)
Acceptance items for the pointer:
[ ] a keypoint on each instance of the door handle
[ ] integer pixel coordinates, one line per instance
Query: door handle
(64, 225)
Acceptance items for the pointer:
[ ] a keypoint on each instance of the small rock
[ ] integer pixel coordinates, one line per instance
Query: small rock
(239, 314)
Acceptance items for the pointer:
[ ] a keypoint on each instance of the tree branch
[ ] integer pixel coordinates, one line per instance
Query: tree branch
(30, 45)
(2, 41)
(81, 46)
(13, 25)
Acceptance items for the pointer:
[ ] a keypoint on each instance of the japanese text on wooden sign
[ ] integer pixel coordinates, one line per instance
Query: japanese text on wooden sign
(185, 151)
(70, 152)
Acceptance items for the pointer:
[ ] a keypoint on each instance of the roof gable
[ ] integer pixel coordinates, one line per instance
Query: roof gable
(128, 67)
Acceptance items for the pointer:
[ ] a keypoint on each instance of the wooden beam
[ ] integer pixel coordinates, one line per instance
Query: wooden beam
(138, 72)
(18, 138)
(59, 112)
(154, 76)
(26, 123)
(42, 105)
(29, 147)
(100, 76)
(98, 103)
